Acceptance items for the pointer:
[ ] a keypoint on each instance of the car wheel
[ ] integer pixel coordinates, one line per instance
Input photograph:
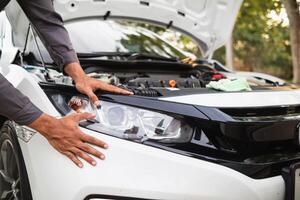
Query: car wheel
(14, 184)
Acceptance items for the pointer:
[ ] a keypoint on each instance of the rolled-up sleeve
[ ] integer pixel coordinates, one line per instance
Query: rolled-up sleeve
(16, 106)
(49, 26)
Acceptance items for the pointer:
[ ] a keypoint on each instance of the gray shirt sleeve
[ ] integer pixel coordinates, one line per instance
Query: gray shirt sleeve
(15, 106)
(49, 26)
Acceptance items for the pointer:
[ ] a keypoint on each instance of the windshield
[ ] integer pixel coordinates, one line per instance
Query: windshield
(123, 36)
(93, 35)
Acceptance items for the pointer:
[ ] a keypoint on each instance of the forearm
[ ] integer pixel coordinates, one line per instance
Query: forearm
(16, 106)
(44, 123)
(75, 71)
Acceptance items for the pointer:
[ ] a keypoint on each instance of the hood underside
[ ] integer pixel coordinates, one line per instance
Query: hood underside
(209, 22)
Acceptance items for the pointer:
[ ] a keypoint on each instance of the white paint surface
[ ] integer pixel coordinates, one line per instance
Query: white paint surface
(240, 99)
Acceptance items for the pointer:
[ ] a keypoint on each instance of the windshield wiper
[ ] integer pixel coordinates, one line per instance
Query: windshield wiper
(140, 56)
(103, 54)
(128, 56)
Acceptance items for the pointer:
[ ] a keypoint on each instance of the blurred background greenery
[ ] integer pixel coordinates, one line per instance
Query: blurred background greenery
(261, 39)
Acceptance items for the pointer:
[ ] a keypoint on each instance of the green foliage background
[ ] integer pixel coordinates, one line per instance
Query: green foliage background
(261, 43)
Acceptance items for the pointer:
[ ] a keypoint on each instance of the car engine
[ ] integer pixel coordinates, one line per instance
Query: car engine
(149, 81)
(143, 84)
(142, 78)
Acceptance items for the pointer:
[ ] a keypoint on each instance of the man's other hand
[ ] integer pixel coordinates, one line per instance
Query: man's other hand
(66, 137)
(88, 85)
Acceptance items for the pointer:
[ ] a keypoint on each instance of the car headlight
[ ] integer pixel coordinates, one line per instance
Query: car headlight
(129, 122)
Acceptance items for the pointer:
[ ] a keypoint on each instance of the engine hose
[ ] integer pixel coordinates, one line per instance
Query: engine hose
(148, 92)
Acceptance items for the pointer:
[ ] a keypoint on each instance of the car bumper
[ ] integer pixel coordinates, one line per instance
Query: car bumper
(135, 170)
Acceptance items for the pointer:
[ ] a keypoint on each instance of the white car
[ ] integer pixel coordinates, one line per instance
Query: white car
(174, 139)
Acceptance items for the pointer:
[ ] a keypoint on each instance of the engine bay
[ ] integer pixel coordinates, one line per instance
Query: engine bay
(148, 80)
(147, 83)
(147, 77)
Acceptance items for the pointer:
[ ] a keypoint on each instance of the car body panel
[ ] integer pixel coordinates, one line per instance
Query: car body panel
(28, 85)
(136, 170)
(245, 99)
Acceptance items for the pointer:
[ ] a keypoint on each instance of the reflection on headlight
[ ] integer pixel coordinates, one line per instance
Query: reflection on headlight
(133, 123)
(116, 116)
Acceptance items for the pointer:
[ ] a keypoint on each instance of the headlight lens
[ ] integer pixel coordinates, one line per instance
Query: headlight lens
(133, 123)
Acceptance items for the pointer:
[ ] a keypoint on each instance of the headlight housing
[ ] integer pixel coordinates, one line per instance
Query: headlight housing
(128, 122)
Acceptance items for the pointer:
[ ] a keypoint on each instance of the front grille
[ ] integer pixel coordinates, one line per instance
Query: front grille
(112, 197)
(264, 113)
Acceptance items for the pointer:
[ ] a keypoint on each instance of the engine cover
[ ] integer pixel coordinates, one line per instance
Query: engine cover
(178, 83)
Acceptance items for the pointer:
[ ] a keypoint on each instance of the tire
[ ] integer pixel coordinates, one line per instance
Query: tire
(14, 183)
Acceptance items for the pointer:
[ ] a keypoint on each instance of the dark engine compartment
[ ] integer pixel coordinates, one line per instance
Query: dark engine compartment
(143, 78)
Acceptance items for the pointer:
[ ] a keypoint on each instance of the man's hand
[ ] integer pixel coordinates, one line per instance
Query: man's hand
(66, 137)
(88, 85)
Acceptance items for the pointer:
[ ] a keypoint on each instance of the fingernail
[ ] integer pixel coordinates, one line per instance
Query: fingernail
(105, 146)
(102, 157)
(80, 165)
(97, 104)
(94, 163)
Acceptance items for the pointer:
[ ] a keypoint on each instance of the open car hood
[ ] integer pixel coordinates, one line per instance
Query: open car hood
(209, 22)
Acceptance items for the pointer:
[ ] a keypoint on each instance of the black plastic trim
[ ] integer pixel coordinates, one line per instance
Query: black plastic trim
(263, 111)
(288, 174)
(112, 197)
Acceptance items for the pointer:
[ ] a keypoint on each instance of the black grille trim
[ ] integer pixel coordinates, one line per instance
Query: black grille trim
(263, 111)
(112, 197)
